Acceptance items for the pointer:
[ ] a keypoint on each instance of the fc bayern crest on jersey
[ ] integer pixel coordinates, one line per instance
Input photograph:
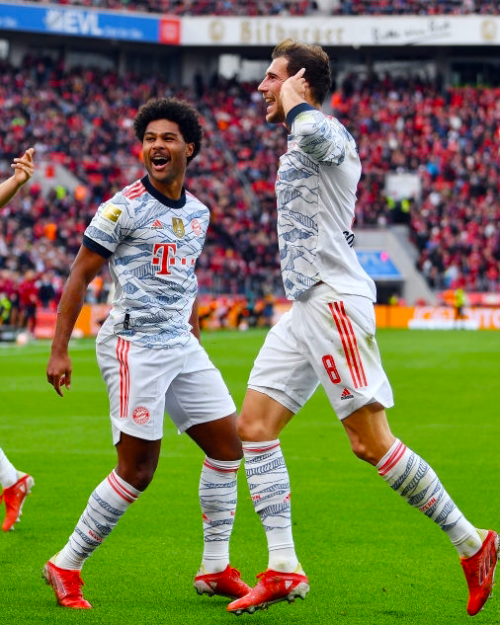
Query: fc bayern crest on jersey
(178, 227)
(141, 415)
(196, 227)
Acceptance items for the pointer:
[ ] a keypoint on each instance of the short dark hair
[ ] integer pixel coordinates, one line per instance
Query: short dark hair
(315, 60)
(178, 111)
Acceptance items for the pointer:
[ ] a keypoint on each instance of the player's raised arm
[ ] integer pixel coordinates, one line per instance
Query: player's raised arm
(294, 91)
(23, 170)
(86, 266)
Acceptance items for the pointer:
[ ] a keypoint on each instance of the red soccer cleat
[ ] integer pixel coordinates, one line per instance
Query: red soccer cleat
(272, 587)
(14, 497)
(227, 583)
(67, 585)
(479, 572)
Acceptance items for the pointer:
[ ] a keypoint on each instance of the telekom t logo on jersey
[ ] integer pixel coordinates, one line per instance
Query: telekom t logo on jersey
(164, 255)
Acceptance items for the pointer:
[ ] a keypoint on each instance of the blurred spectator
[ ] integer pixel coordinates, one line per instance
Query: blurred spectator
(459, 302)
(46, 290)
(28, 299)
(5, 309)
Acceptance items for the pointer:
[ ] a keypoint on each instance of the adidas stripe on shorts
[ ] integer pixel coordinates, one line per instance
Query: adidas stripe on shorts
(326, 339)
(145, 383)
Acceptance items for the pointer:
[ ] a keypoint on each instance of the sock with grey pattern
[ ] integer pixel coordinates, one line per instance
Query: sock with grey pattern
(218, 498)
(269, 485)
(410, 476)
(106, 506)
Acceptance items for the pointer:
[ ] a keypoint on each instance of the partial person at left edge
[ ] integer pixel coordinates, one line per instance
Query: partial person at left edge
(16, 485)
(148, 350)
(24, 168)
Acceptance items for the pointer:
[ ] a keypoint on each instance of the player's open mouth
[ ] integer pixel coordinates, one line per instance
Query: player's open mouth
(160, 162)
(270, 103)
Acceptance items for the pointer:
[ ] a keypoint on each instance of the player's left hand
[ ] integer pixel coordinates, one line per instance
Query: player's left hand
(24, 166)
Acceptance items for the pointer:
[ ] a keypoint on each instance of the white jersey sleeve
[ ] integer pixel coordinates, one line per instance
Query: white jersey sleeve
(110, 225)
(322, 138)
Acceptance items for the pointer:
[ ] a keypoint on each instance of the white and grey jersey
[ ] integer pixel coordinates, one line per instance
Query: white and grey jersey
(152, 243)
(316, 195)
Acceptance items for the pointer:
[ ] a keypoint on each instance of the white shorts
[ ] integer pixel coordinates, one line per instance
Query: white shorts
(145, 383)
(328, 339)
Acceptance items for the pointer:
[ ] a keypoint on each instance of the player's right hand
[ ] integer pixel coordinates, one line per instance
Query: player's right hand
(59, 372)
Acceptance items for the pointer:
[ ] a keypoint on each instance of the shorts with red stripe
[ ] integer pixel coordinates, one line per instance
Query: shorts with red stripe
(145, 383)
(326, 339)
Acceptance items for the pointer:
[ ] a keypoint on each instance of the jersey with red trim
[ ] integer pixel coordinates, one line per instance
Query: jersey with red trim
(152, 243)
(316, 195)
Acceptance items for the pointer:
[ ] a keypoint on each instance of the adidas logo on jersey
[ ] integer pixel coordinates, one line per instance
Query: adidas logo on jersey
(157, 224)
(346, 394)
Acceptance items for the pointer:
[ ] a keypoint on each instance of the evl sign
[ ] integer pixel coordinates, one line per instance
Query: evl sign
(73, 22)
(81, 23)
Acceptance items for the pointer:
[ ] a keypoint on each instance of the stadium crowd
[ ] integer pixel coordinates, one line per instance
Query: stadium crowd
(179, 8)
(253, 8)
(82, 119)
(416, 7)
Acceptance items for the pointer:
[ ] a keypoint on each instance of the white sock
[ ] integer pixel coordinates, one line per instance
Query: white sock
(218, 497)
(105, 507)
(8, 473)
(410, 476)
(269, 485)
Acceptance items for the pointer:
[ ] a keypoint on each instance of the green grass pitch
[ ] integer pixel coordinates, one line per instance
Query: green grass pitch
(371, 558)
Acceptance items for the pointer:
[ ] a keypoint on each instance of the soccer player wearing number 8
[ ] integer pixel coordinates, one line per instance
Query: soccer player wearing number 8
(328, 337)
(149, 353)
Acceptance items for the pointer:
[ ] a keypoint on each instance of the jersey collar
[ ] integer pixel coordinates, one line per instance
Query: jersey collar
(163, 198)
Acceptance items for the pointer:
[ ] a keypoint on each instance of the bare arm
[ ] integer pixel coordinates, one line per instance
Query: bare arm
(23, 170)
(86, 266)
(194, 320)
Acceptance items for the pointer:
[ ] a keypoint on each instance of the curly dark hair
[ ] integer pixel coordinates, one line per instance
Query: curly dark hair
(315, 60)
(178, 111)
